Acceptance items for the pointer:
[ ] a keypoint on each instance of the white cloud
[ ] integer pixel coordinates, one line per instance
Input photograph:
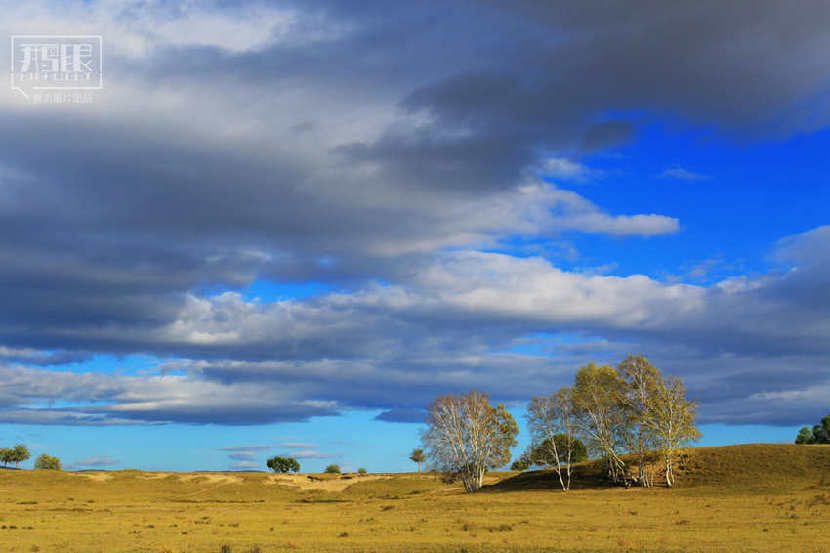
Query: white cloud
(568, 170)
(682, 174)
(247, 465)
(308, 454)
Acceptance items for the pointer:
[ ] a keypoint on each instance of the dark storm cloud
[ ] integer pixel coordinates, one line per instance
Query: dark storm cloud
(736, 64)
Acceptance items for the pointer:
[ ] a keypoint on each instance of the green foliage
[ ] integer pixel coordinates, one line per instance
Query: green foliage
(16, 455)
(283, 464)
(21, 453)
(361, 470)
(542, 455)
(805, 436)
(819, 434)
(47, 462)
(522, 463)
(332, 469)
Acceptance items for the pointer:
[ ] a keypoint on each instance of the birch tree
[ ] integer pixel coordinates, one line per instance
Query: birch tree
(673, 418)
(642, 381)
(465, 436)
(601, 414)
(552, 424)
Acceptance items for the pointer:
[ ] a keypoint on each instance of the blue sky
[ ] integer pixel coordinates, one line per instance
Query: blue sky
(284, 228)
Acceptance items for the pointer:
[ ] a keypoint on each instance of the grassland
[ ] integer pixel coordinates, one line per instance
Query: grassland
(734, 499)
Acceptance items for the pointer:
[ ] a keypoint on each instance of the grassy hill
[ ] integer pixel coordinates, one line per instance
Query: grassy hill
(781, 466)
(755, 466)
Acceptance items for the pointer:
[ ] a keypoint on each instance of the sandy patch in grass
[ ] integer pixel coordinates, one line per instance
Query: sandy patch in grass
(320, 482)
(203, 478)
(97, 476)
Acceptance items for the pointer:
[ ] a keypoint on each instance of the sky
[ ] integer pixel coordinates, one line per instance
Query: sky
(286, 227)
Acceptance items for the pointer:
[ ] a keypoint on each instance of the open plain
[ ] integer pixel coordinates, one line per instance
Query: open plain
(765, 498)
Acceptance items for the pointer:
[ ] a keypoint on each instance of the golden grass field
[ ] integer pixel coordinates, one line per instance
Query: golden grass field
(773, 498)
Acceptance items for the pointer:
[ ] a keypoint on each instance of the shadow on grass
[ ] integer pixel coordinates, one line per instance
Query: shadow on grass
(584, 476)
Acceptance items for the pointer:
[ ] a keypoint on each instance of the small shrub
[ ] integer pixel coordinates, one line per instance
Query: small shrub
(283, 464)
(225, 548)
(47, 462)
(332, 469)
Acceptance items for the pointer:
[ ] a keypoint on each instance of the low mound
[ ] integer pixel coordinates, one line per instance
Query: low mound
(755, 466)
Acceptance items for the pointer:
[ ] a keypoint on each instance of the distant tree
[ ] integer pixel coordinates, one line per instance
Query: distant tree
(19, 454)
(819, 434)
(466, 436)
(47, 462)
(417, 456)
(283, 464)
(361, 471)
(522, 463)
(543, 455)
(6, 456)
(332, 469)
(552, 423)
(821, 431)
(805, 436)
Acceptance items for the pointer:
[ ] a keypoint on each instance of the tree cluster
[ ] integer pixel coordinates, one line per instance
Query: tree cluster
(818, 434)
(608, 412)
(283, 464)
(16, 455)
(630, 409)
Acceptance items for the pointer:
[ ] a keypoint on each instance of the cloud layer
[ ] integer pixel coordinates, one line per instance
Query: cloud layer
(319, 142)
